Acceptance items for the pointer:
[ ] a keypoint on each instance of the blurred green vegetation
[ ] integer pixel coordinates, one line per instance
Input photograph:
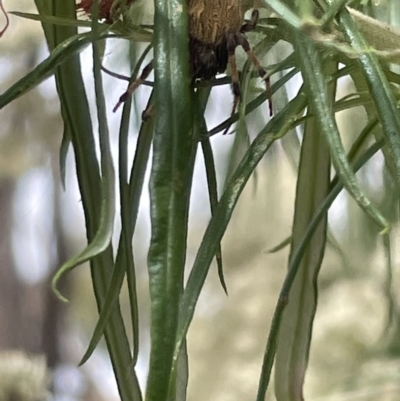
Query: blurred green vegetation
(323, 310)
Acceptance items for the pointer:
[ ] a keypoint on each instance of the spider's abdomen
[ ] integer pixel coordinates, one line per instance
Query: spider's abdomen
(210, 24)
(210, 21)
(207, 59)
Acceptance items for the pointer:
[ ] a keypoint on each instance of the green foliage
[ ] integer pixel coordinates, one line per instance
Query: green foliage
(323, 34)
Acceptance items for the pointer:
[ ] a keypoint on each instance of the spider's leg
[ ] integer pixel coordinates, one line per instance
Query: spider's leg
(134, 85)
(242, 41)
(250, 26)
(231, 45)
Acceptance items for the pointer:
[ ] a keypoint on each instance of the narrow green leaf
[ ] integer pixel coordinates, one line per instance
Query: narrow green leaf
(77, 117)
(254, 103)
(297, 322)
(276, 128)
(65, 144)
(68, 48)
(295, 261)
(360, 143)
(389, 290)
(285, 12)
(213, 196)
(314, 79)
(201, 99)
(102, 239)
(332, 11)
(381, 92)
(131, 193)
(51, 19)
(104, 232)
(182, 376)
(281, 245)
(170, 187)
(241, 141)
(106, 225)
(124, 260)
(133, 33)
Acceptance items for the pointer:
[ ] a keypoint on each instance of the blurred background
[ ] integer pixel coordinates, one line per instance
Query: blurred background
(355, 352)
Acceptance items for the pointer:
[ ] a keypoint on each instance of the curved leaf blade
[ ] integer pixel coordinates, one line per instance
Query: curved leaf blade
(102, 239)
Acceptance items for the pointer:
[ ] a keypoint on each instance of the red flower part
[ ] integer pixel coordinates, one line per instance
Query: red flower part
(105, 9)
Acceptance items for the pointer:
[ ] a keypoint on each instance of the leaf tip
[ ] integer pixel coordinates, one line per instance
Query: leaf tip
(56, 290)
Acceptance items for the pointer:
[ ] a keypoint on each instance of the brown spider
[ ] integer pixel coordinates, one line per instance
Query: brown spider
(215, 30)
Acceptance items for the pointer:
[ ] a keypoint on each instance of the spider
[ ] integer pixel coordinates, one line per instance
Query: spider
(216, 29)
